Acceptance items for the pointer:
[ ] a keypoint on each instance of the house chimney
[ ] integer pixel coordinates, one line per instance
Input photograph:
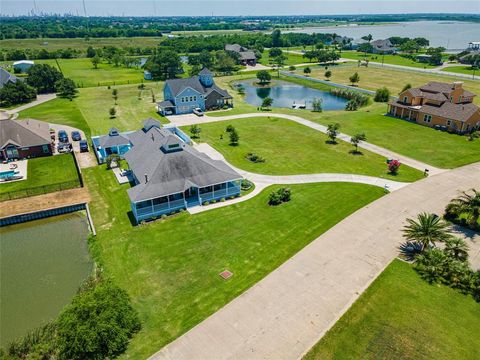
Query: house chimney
(146, 178)
(457, 85)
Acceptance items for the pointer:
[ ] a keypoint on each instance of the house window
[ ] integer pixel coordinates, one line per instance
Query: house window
(45, 149)
(405, 99)
(195, 98)
(191, 98)
(427, 118)
(449, 122)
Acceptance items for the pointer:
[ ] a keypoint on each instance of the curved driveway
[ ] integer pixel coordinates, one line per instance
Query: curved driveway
(286, 313)
(190, 119)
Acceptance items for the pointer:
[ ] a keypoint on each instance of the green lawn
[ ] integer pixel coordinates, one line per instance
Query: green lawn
(388, 59)
(59, 111)
(462, 70)
(292, 59)
(44, 171)
(171, 267)
(291, 148)
(400, 316)
(84, 74)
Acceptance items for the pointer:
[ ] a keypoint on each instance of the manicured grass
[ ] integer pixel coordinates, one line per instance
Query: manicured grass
(59, 111)
(79, 43)
(462, 70)
(291, 148)
(171, 267)
(95, 103)
(400, 316)
(387, 59)
(292, 59)
(45, 171)
(374, 77)
(84, 74)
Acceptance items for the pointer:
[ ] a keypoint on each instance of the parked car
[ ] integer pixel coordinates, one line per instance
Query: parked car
(62, 136)
(198, 112)
(76, 135)
(64, 147)
(83, 145)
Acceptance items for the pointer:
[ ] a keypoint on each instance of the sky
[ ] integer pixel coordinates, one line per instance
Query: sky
(235, 7)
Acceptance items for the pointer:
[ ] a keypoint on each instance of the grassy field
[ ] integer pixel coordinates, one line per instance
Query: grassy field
(400, 316)
(292, 59)
(44, 171)
(79, 43)
(462, 70)
(388, 59)
(374, 77)
(291, 148)
(170, 268)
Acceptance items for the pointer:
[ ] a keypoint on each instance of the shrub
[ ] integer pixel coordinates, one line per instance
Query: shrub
(213, 201)
(393, 166)
(234, 137)
(317, 105)
(382, 95)
(352, 105)
(222, 200)
(254, 158)
(307, 71)
(332, 132)
(205, 203)
(229, 128)
(279, 196)
(357, 99)
(164, 216)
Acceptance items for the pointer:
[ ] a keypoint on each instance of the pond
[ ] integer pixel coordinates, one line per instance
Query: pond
(42, 265)
(286, 94)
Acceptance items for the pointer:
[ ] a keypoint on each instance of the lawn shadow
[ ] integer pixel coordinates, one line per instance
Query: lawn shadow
(410, 249)
(355, 152)
(331, 142)
(132, 219)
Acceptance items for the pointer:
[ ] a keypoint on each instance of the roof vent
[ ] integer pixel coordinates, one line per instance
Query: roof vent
(146, 178)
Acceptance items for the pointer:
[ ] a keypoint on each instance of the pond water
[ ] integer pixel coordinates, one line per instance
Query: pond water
(452, 35)
(285, 94)
(42, 264)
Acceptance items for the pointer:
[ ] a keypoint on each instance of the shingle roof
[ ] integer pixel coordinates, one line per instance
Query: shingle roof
(205, 71)
(179, 85)
(382, 44)
(172, 172)
(460, 112)
(234, 47)
(247, 55)
(24, 133)
(114, 138)
(5, 77)
(435, 86)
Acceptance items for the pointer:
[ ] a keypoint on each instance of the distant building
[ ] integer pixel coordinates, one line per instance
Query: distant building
(6, 77)
(247, 57)
(147, 75)
(473, 46)
(427, 59)
(23, 65)
(20, 139)
(182, 96)
(439, 105)
(382, 47)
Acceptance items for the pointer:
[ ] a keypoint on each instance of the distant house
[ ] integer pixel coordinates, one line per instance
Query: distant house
(439, 105)
(181, 96)
(20, 139)
(6, 77)
(427, 59)
(382, 47)
(470, 57)
(170, 175)
(247, 57)
(473, 46)
(23, 65)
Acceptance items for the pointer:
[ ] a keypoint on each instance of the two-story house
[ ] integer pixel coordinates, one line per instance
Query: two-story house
(182, 96)
(437, 104)
(246, 56)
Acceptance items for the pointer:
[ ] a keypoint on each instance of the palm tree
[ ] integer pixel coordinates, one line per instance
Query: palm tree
(457, 248)
(427, 229)
(468, 204)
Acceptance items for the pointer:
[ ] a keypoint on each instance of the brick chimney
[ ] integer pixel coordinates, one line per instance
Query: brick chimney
(457, 85)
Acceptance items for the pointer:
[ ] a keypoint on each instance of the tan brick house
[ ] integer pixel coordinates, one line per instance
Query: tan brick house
(440, 105)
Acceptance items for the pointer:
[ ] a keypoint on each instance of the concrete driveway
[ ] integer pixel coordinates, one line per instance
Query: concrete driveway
(286, 313)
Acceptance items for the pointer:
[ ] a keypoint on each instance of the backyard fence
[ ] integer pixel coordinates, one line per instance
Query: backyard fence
(40, 190)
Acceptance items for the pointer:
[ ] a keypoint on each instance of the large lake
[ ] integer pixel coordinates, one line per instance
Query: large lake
(285, 94)
(449, 34)
(42, 265)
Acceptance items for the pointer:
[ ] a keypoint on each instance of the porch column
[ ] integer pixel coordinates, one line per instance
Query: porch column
(168, 201)
(226, 188)
(151, 204)
(402, 113)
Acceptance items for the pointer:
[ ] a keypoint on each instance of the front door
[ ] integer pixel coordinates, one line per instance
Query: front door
(191, 195)
(12, 152)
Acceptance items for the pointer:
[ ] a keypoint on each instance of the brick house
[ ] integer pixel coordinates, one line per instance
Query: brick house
(21, 139)
(440, 105)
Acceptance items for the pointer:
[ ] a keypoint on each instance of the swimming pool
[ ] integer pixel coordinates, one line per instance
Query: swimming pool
(6, 174)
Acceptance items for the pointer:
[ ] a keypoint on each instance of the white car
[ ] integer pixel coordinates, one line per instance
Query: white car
(198, 112)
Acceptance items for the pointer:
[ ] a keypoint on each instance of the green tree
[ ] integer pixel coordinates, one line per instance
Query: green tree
(456, 248)
(98, 324)
(43, 77)
(66, 88)
(264, 76)
(276, 38)
(468, 205)
(357, 139)
(165, 64)
(406, 87)
(332, 132)
(115, 95)
(354, 79)
(91, 52)
(195, 130)
(426, 230)
(328, 74)
(16, 93)
(267, 102)
(112, 112)
(317, 104)
(274, 52)
(382, 95)
(95, 61)
(307, 71)
(234, 137)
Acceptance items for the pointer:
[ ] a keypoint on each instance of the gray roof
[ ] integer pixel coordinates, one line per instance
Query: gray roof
(24, 133)
(382, 44)
(5, 77)
(170, 172)
(150, 122)
(235, 47)
(205, 71)
(247, 55)
(165, 103)
(179, 85)
(114, 138)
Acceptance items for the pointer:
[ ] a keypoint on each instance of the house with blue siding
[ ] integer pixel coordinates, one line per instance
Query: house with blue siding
(182, 96)
(170, 175)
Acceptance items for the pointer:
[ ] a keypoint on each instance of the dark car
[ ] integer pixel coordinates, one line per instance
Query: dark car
(76, 136)
(64, 147)
(83, 145)
(62, 136)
